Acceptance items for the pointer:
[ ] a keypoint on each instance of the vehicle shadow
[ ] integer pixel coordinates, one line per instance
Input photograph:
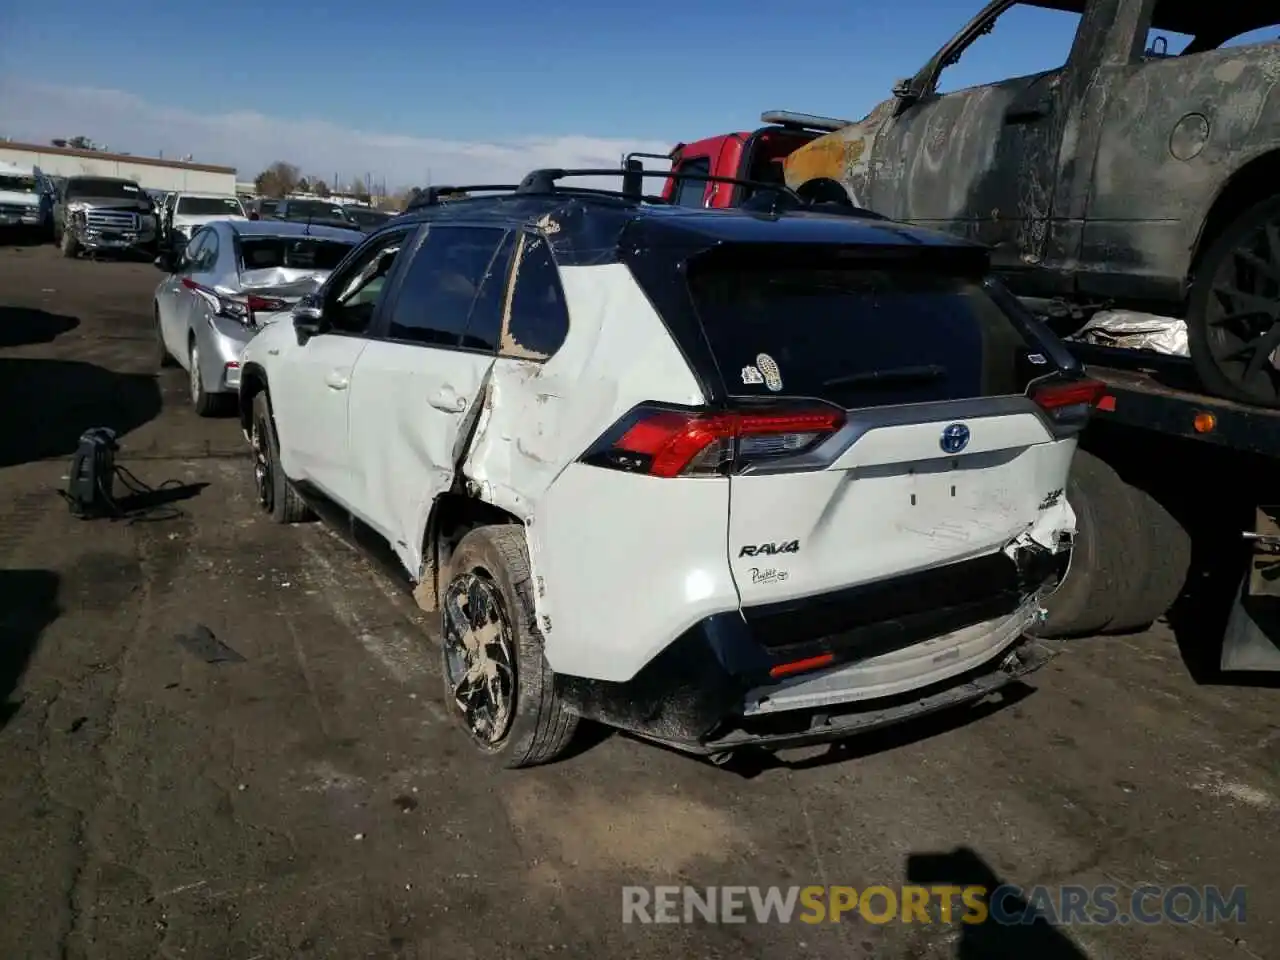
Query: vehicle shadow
(20, 326)
(1009, 931)
(28, 604)
(47, 404)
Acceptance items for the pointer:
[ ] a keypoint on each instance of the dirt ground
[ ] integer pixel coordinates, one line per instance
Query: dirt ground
(311, 799)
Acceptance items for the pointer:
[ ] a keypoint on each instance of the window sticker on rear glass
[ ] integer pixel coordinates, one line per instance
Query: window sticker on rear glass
(769, 369)
(751, 374)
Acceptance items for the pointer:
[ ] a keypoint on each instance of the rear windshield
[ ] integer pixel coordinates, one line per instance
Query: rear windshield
(268, 206)
(302, 253)
(106, 189)
(210, 206)
(860, 336)
(366, 217)
(301, 209)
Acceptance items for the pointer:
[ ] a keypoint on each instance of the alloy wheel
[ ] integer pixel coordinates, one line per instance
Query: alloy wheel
(197, 386)
(479, 656)
(1243, 313)
(263, 476)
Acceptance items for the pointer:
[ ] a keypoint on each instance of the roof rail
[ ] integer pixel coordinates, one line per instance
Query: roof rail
(545, 181)
(804, 121)
(432, 196)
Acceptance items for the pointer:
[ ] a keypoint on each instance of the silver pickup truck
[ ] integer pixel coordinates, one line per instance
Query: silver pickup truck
(103, 214)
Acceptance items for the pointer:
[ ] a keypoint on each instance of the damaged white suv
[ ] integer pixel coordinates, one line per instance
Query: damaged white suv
(717, 477)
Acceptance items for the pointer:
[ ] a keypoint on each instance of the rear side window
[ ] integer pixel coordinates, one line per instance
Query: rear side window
(860, 336)
(690, 193)
(538, 320)
(441, 284)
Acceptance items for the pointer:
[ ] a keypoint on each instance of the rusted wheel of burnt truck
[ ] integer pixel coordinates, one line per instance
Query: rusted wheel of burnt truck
(1233, 316)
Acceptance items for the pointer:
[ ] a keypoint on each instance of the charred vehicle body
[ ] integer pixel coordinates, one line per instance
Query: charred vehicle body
(1127, 177)
(96, 214)
(785, 476)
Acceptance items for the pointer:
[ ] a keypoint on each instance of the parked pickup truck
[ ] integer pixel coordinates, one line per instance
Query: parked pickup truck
(1126, 177)
(103, 213)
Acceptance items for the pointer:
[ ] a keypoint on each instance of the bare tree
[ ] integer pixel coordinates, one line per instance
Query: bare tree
(321, 189)
(359, 190)
(278, 180)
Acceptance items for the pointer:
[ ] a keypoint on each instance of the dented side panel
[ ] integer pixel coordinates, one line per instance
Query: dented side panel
(538, 418)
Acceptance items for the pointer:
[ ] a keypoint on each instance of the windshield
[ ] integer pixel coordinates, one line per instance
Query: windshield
(210, 206)
(302, 253)
(366, 217)
(107, 189)
(302, 209)
(17, 184)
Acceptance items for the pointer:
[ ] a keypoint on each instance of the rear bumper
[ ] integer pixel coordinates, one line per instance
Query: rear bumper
(712, 690)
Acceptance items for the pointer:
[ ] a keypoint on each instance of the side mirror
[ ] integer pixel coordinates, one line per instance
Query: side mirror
(308, 318)
(164, 262)
(904, 89)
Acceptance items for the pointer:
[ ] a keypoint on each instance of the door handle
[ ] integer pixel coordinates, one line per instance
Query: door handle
(1028, 112)
(336, 380)
(448, 400)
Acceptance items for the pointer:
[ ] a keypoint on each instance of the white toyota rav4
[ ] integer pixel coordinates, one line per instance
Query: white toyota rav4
(716, 477)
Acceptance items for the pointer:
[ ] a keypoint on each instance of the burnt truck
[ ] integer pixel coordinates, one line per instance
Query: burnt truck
(103, 214)
(1128, 179)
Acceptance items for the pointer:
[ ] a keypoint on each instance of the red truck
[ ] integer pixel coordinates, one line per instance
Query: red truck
(754, 155)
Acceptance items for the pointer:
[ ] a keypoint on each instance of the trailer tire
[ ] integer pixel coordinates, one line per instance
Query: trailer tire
(1165, 547)
(1093, 590)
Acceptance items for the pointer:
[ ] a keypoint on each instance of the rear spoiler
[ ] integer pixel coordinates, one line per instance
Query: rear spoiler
(802, 121)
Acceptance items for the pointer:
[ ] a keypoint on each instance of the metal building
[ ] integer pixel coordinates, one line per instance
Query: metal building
(149, 172)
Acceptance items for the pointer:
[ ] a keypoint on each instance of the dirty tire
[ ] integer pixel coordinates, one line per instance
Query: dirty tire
(1095, 587)
(282, 502)
(163, 357)
(540, 727)
(1165, 548)
(68, 245)
(1255, 232)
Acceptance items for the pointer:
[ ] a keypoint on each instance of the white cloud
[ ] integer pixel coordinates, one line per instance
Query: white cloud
(36, 112)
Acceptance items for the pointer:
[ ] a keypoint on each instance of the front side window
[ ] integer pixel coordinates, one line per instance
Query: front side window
(441, 285)
(353, 296)
(1003, 51)
(537, 320)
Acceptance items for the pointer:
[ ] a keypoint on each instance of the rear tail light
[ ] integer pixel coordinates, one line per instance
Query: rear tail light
(1060, 398)
(234, 308)
(664, 442)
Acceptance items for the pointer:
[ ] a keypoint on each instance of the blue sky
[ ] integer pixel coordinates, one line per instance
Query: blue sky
(499, 68)
(403, 88)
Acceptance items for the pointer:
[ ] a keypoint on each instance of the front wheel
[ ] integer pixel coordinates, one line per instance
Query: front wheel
(498, 685)
(1233, 316)
(276, 494)
(70, 248)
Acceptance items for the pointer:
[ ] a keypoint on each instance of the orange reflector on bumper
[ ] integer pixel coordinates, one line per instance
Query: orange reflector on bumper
(1204, 422)
(800, 666)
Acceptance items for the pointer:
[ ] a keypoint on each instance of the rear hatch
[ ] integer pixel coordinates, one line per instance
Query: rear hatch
(921, 449)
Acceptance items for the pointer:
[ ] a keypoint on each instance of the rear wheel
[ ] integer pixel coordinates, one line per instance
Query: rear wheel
(206, 404)
(1233, 317)
(497, 683)
(163, 357)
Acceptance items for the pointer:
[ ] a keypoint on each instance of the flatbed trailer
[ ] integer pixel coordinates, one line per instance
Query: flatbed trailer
(1214, 466)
